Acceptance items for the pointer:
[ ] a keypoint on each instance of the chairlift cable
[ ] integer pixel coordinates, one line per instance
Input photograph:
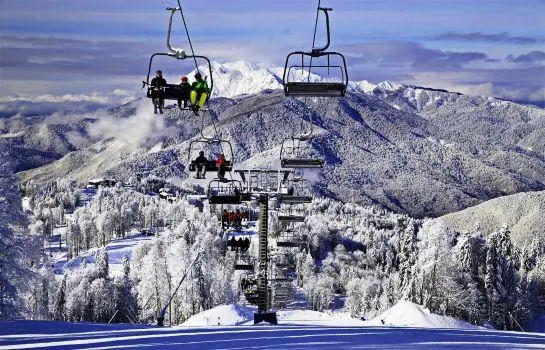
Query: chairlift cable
(188, 37)
(314, 37)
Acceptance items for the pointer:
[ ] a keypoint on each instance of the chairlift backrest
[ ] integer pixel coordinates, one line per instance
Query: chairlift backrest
(171, 91)
(225, 148)
(306, 87)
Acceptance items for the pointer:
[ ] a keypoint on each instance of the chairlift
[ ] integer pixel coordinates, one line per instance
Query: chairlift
(287, 240)
(242, 211)
(172, 91)
(291, 214)
(222, 146)
(295, 191)
(225, 192)
(291, 218)
(301, 63)
(295, 153)
(252, 296)
(284, 265)
(248, 281)
(244, 262)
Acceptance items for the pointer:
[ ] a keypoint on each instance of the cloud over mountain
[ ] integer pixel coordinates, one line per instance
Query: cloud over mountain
(503, 37)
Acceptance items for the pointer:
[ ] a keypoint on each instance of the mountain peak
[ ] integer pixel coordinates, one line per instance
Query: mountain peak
(242, 77)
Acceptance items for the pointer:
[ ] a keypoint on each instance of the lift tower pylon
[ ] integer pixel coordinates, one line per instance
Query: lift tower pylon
(263, 260)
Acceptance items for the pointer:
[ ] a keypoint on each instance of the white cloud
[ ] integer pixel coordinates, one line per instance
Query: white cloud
(120, 92)
(93, 97)
(141, 129)
(539, 95)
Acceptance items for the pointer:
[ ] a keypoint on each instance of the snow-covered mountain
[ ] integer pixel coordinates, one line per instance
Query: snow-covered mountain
(243, 78)
(439, 152)
(521, 212)
(39, 140)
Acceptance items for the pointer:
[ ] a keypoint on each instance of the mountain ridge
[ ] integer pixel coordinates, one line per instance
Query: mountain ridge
(421, 159)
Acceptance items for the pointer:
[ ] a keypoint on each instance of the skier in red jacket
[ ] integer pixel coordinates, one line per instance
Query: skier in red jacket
(221, 163)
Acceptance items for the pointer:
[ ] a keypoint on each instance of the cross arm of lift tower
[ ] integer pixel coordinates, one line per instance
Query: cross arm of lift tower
(296, 182)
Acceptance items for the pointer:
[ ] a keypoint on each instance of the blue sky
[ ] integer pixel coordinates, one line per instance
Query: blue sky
(85, 47)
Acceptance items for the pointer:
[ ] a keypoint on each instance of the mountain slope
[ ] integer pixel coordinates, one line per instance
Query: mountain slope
(39, 140)
(423, 165)
(521, 212)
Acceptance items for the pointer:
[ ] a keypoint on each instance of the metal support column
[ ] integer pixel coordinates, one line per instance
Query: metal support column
(262, 285)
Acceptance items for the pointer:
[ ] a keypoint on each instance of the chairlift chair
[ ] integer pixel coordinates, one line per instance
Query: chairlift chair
(295, 191)
(291, 218)
(225, 192)
(248, 281)
(244, 262)
(284, 265)
(172, 91)
(282, 279)
(287, 240)
(224, 147)
(294, 153)
(299, 61)
(291, 214)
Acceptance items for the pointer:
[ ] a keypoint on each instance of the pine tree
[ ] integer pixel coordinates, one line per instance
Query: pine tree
(101, 263)
(501, 279)
(59, 311)
(354, 297)
(17, 251)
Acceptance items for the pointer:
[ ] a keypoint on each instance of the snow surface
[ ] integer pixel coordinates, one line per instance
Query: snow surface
(225, 315)
(402, 314)
(116, 250)
(408, 314)
(62, 335)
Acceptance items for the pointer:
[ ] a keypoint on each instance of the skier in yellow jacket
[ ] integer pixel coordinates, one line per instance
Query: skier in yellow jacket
(199, 92)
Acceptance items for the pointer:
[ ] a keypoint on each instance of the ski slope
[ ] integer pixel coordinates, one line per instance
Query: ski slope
(402, 314)
(117, 248)
(230, 327)
(61, 335)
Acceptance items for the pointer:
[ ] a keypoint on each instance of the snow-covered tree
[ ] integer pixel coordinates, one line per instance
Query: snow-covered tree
(17, 250)
(501, 279)
(59, 309)
(101, 263)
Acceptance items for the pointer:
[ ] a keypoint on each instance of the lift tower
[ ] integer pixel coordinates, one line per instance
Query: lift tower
(263, 301)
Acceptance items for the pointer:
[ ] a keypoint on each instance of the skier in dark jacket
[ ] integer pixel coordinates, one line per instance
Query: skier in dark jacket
(232, 243)
(157, 93)
(246, 244)
(200, 163)
(238, 219)
(225, 220)
(185, 88)
(199, 92)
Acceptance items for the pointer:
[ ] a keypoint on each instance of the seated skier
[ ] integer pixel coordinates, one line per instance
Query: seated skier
(157, 92)
(232, 243)
(184, 92)
(225, 220)
(199, 92)
(245, 244)
(200, 163)
(221, 163)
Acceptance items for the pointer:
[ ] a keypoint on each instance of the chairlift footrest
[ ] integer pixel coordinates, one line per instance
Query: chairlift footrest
(302, 163)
